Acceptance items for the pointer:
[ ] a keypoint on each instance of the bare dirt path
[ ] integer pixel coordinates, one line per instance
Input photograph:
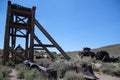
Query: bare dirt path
(13, 75)
(106, 77)
(102, 76)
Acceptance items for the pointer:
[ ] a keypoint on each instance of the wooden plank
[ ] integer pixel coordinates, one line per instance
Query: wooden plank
(20, 26)
(39, 49)
(19, 7)
(6, 37)
(31, 56)
(45, 45)
(21, 12)
(26, 44)
(24, 36)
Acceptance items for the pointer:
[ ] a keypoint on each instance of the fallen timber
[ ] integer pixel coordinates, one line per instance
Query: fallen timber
(48, 73)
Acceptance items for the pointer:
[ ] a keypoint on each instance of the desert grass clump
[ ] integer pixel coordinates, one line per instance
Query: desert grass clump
(70, 75)
(107, 68)
(28, 74)
(44, 62)
(62, 68)
(118, 65)
(10, 63)
(80, 62)
(21, 69)
(115, 72)
(95, 68)
(33, 74)
(4, 72)
(3, 77)
(110, 68)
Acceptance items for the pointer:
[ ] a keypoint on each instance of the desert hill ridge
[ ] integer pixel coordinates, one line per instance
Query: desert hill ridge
(114, 50)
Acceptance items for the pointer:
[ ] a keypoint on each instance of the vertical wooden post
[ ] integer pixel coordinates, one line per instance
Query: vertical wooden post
(26, 44)
(7, 33)
(31, 56)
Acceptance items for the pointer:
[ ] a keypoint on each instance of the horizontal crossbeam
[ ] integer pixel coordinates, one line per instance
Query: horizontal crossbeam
(45, 45)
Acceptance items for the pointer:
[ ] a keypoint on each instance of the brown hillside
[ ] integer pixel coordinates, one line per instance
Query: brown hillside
(114, 50)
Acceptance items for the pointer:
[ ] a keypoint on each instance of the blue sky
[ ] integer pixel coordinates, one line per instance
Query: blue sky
(74, 24)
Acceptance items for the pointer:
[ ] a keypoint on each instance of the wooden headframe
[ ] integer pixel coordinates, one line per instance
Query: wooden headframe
(22, 18)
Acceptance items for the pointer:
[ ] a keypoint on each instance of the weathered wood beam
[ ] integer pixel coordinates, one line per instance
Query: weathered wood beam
(39, 49)
(21, 12)
(43, 45)
(6, 37)
(26, 44)
(31, 56)
(19, 7)
(20, 25)
(16, 35)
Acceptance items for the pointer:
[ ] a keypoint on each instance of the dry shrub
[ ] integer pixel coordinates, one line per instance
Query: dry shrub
(70, 75)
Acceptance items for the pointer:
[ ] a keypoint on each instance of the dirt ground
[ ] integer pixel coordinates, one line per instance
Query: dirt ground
(13, 75)
(106, 77)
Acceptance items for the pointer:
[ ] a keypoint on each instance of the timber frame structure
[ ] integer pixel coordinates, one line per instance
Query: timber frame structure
(21, 18)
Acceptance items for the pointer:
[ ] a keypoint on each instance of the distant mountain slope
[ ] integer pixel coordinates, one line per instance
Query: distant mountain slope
(114, 50)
